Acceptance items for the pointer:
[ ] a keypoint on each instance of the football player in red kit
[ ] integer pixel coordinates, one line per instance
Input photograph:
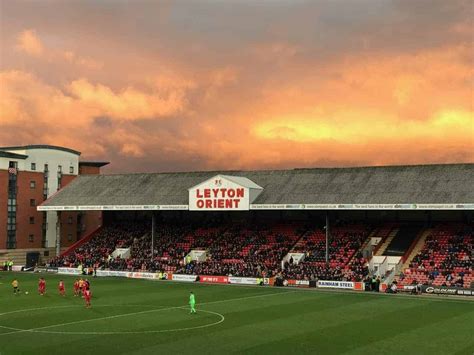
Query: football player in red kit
(76, 288)
(61, 288)
(87, 297)
(42, 286)
(87, 284)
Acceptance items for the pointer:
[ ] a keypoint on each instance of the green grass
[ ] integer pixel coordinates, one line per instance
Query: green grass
(149, 317)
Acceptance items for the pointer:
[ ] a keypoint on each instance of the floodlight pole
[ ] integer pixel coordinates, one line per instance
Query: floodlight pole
(152, 234)
(327, 239)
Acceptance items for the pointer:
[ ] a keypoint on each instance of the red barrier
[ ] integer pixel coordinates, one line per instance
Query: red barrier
(214, 279)
(81, 241)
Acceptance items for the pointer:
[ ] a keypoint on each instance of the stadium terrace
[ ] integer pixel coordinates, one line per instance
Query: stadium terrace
(325, 227)
(326, 224)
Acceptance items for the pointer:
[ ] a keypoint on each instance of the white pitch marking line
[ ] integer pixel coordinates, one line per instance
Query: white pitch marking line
(32, 330)
(92, 320)
(39, 330)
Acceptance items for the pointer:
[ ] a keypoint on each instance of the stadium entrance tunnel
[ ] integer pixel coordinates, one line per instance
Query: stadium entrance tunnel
(107, 319)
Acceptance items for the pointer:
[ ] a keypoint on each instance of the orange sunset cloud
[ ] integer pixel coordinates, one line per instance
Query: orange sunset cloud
(292, 84)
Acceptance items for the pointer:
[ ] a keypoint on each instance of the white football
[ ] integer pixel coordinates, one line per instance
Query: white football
(26, 292)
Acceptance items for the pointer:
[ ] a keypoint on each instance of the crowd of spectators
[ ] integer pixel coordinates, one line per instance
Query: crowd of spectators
(345, 261)
(231, 249)
(243, 251)
(97, 251)
(446, 259)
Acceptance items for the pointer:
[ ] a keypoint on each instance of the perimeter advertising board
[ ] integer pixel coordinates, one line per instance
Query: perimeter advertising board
(336, 284)
(445, 290)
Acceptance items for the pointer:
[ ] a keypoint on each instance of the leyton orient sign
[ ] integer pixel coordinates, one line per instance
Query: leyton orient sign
(223, 193)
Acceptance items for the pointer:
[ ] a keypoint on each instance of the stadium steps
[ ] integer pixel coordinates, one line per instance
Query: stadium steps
(402, 241)
(372, 234)
(362, 247)
(19, 255)
(299, 242)
(419, 243)
(386, 242)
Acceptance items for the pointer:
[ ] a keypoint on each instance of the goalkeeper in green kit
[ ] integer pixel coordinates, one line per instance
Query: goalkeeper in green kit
(192, 302)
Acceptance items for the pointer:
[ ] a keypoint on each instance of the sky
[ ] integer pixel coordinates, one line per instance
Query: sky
(215, 85)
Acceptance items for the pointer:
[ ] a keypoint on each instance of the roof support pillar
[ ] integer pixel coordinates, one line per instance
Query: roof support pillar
(152, 234)
(327, 239)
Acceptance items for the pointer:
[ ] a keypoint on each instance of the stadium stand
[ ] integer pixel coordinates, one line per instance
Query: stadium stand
(395, 198)
(233, 249)
(445, 259)
(242, 251)
(97, 250)
(346, 262)
(402, 240)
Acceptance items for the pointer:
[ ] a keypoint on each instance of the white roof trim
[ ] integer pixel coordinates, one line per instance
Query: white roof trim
(239, 180)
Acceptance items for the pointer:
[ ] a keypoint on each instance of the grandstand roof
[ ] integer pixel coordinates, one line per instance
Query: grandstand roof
(342, 188)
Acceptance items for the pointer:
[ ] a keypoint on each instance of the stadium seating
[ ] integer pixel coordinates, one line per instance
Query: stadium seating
(344, 263)
(246, 251)
(445, 259)
(96, 251)
(258, 250)
(232, 250)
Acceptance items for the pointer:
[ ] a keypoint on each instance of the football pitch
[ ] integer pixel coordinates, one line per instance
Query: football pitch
(152, 317)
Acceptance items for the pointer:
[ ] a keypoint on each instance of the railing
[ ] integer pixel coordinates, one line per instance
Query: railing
(81, 241)
(379, 245)
(395, 271)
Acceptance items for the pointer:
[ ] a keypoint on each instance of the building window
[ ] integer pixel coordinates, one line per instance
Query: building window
(31, 238)
(69, 220)
(60, 168)
(32, 184)
(71, 170)
(33, 166)
(46, 168)
(32, 202)
(32, 220)
(11, 239)
(69, 237)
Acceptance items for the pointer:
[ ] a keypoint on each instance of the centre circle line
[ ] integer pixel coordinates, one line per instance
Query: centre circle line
(41, 329)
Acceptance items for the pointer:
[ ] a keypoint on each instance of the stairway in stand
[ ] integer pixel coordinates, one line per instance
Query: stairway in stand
(419, 245)
(386, 242)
